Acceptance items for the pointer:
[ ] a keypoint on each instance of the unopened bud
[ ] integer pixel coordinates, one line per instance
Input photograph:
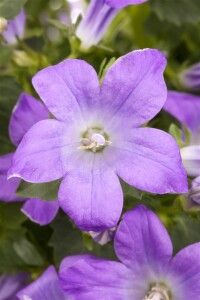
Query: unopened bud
(3, 24)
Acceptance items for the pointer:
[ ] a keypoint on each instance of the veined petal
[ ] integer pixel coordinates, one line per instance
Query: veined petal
(186, 266)
(142, 240)
(134, 89)
(44, 152)
(92, 195)
(191, 160)
(26, 113)
(8, 187)
(185, 108)
(47, 286)
(40, 211)
(75, 86)
(123, 3)
(93, 279)
(150, 160)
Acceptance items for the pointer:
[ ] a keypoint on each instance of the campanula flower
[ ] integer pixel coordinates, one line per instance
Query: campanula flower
(95, 137)
(146, 269)
(15, 29)
(27, 112)
(98, 17)
(190, 78)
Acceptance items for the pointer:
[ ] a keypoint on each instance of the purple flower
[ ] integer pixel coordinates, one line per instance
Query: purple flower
(15, 29)
(98, 17)
(146, 271)
(11, 284)
(96, 138)
(27, 112)
(186, 109)
(190, 78)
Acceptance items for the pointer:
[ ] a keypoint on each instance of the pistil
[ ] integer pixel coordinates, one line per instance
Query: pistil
(157, 293)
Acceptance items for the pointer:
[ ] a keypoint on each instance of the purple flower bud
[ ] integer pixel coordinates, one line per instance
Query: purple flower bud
(99, 15)
(190, 78)
(15, 29)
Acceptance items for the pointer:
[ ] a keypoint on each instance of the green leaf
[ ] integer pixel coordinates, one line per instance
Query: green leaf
(27, 252)
(10, 215)
(177, 133)
(177, 11)
(68, 240)
(46, 191)
(184, 231)
(10, 8)
(6, 53)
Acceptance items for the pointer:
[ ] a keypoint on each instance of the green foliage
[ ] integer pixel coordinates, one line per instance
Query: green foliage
(10, 8)
(177, 12)
(46, 191)
(173, 26)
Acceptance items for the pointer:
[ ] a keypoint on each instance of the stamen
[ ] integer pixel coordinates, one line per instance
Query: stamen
(157, 293)
(94, 141)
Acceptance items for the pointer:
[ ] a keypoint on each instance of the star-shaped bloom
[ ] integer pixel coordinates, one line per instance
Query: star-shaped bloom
(98, 17)
(95, 137)
(15, 29)
(26, 113)
(147, 269)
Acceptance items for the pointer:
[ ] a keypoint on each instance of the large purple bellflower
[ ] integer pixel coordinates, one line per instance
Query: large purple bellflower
(95, 137)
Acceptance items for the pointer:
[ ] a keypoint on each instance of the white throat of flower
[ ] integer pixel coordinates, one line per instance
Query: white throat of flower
(157, 293)
(94, 140)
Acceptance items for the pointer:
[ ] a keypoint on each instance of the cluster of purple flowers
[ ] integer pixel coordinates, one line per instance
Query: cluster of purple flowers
(91, 135)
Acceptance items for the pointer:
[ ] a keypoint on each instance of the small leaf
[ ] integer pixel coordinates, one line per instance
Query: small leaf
(46, 191)
(10, 8)
(27, 252)
(177, 11)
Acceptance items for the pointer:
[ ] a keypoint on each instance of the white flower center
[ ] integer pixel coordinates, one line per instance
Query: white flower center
(157, 293)
(94, 140)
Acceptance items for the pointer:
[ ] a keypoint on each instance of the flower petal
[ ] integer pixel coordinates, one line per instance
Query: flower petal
(141, 239)
(150, 160)
(134, 88)
(43, 153)
(191, 160)
(11, 284)
(73, 83)
(123, 3)
(93, 279)
(47, 286)
(40, 211)
(8, 187)
(185, 108)
(26, 113)
(186, 266)
(92, 196)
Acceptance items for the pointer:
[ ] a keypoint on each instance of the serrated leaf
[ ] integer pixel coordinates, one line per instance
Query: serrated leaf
(10, 8)
(177, 11)
(46, 191)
